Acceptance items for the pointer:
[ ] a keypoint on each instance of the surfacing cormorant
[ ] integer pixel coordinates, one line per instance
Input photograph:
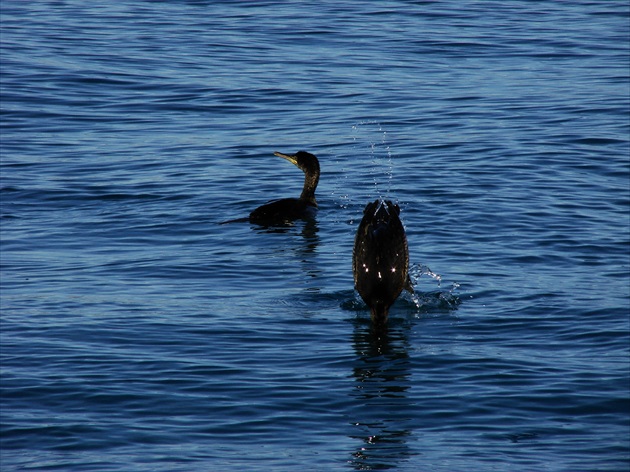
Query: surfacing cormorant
(289, 209)
(380, 261)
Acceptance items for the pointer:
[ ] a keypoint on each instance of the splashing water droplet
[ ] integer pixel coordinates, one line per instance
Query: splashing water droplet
(438, 299)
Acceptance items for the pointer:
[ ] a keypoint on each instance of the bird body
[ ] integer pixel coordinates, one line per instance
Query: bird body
(284, 210)
(289, 209)
(380, 262)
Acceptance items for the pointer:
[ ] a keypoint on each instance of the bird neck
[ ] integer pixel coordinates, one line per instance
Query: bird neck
(310, 184)
(379, 313)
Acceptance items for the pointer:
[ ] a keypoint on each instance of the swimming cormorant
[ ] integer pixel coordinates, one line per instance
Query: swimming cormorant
(289, 209)
(380, 261)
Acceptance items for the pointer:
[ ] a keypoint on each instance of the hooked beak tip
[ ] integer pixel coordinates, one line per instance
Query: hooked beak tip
(288, 157)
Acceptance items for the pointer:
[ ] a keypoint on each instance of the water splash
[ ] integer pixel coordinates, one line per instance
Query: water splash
(371, 133)
(439, 299)
(436, 300)
(418, 270)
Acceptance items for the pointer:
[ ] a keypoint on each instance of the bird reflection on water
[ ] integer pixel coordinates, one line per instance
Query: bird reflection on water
(382, 374)
(303, 241)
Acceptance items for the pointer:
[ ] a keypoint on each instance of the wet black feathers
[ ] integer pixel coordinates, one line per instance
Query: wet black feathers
(289, 209)
(380, 260)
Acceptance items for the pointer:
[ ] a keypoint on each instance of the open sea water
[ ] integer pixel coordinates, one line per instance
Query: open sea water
(138, 334)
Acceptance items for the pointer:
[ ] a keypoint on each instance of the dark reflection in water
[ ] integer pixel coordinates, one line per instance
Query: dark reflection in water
(307, 228)
(307, 252)
(305, 233)
(382, 419)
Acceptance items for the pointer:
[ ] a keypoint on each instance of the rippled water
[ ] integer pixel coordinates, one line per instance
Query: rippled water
(138, 334)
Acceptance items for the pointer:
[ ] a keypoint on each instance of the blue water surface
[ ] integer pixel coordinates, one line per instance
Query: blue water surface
(139, 334)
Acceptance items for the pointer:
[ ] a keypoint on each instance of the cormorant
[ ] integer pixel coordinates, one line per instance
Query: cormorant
(380, 261)
(289, 209)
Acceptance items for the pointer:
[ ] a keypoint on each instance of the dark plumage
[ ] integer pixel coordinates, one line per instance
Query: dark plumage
(289, 209)
(380, 260)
